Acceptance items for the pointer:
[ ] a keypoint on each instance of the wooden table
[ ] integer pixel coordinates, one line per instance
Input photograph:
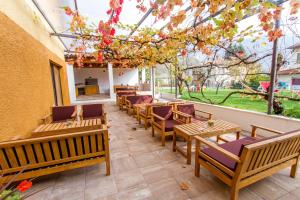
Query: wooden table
(67, 127)
(188, 131)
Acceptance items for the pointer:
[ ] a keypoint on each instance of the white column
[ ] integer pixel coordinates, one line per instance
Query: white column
(143, 75)
(111, 81)
(71, 83)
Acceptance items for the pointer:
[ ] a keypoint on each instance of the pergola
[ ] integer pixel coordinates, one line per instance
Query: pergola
(197, 21)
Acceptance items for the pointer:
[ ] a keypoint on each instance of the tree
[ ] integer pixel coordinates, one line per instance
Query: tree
(213, 31)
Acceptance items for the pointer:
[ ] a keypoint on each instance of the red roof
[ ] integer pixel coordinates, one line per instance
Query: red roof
(289, 71)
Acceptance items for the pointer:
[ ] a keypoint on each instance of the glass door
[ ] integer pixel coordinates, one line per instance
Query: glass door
(56, 83)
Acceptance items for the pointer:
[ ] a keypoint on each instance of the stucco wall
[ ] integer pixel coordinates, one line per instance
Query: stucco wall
(26, 92)
(129, 76)
(25, 14)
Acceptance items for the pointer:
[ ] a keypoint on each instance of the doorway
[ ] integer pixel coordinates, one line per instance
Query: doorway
(56, 83)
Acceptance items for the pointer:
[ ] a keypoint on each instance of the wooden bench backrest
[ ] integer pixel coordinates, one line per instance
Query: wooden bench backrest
(51, 150)
(270, 152)
(149, 107)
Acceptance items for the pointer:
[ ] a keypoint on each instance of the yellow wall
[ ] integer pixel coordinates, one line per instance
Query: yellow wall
(26, 92)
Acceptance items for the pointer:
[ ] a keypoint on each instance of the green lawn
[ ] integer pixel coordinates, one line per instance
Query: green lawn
(292, 108)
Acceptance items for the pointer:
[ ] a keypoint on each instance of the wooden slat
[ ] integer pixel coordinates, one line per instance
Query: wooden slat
(38, 152)
(86, 144)
(21, 155)
(253, 160)
(273, 153)
(259, 158)
(3, 161)
(64, 149)
(71, 147)
(30, 154)
(100, 143)
(93, 143)
(55, 150)
(280, 147)
(11, 157)
(271, 149)
(47, 151)
(79, 146)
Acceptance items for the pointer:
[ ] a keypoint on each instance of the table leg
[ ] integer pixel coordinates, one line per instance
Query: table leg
(174, 141)
(189, 151)
(238, 135)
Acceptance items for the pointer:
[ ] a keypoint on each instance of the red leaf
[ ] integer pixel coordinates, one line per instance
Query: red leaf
(24, 185)
(109, 11)
(112, 32)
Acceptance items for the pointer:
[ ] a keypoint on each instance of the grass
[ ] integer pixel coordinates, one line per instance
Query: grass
(291, 108)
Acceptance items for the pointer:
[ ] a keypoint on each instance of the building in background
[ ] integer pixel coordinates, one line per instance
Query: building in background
(289, 78)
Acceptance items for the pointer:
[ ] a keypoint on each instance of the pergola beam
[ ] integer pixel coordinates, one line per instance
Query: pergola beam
(48, 22)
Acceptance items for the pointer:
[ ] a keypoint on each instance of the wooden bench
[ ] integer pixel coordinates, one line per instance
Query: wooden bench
(245, 161)
(50, 154)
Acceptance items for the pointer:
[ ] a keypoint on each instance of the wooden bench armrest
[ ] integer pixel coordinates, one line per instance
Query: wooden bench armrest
(158, 117)
(182, 114)
(105, 117)
(187, 117)
(47, 119)
(155, 100)
(218, 148)
(208, 113)
(255, 127)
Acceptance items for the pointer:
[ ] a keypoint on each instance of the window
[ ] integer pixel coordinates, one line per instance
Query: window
(298, 58)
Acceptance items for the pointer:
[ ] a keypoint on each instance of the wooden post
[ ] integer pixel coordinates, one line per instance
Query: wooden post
(176, 82)
(153, 81)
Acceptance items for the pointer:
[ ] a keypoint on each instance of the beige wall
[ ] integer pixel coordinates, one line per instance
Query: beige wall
(24, 13)
(26, 92)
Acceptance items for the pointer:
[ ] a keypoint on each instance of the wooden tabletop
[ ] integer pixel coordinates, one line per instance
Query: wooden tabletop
(202, 129)
(68, 127)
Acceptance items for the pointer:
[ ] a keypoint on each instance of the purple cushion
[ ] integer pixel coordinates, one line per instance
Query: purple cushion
(123, 93)
(144, 99)
(187, 108)
(92, 111)
(169, 125)
(62, 113)
(164, 112)
(234, 147)
(139, 99)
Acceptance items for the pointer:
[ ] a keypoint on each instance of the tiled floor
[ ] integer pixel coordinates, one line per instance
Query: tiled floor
(143, 169)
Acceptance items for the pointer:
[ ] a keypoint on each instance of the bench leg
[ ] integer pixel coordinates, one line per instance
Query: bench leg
(107, 154)
(152, 131)
(238, 135)
(234, 193)
(174, 141)
(294, 168)
(197, 165)
(163, 139)
(146, 124)
(189, 151)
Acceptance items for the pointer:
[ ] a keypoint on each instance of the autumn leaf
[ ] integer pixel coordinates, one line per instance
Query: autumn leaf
(184, 186)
